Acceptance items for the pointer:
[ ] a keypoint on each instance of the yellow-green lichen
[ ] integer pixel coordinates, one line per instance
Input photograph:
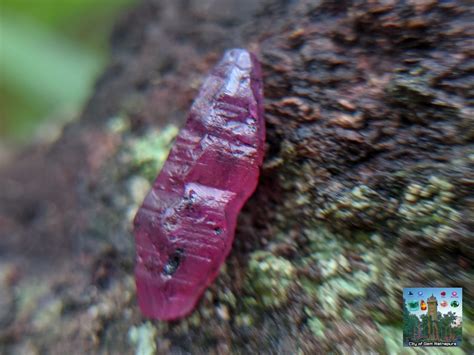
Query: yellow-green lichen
(340, 282)
(356, 206)
(269, 279)
(143, 337)
(137, 187)
(334, 293)
(149, 152)
(118, 124)
(316, 326)
(194, 319)
(347, 314)
(468, 330)
(426, 210)
(393, 339)
(226, 296)
(244, 319)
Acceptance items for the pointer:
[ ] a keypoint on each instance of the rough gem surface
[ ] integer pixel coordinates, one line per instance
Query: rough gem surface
(185, 226)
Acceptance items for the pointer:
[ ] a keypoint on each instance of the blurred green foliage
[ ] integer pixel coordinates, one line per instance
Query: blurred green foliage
(51, 51)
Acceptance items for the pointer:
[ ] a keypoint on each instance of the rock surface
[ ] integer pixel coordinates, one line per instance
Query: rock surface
(366, 185)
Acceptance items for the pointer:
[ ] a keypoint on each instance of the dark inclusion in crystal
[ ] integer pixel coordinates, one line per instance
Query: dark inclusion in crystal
(185, 227)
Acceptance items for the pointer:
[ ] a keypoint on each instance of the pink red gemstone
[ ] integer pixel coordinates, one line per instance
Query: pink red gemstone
(185, 226)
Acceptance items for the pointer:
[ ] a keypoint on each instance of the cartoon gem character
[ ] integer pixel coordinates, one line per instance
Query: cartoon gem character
(420, 293)
(443, 293)
(454, 293)
(423, 305)
(454, 304)
(413, 306)
(443, 304)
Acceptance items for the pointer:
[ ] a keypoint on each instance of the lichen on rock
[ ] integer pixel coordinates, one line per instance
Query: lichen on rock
(149, 152)
(269, 279)
(144, 338)
(366, 187)
(426, 210)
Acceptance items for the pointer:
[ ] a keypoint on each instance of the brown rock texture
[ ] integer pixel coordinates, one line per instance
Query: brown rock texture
(366, 186)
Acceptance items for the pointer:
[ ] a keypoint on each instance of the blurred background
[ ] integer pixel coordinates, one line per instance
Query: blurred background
(51, 51)
(365, 189)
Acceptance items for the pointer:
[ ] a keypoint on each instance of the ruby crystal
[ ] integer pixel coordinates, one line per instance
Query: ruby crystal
(186, 224)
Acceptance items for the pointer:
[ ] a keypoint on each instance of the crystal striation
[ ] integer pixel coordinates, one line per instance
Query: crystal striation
(185, 226)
